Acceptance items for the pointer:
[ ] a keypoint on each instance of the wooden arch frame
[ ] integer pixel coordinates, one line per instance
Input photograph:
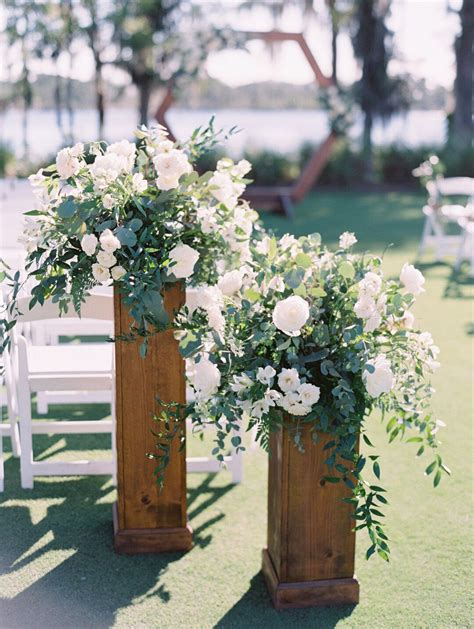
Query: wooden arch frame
(278, 198)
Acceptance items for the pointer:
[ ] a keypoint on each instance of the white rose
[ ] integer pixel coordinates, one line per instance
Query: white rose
(346, 240)
(67, 162)
(230, 282)
(107, 168)
(205, 216)
(206, 378)
(381, 379)
(185, 258)
(241, 383)
(290, 314)
(89, 244)
(118, 272)
(125, 149)
(365, 307)
(263, 246)
(139, 183)
(288, 380)
(101, 273)
(108, 201)
(266, 374)
(170, 166)
(287, 241)
(224, 189)
(109, 242)
(309, 393)
(371, 284)
(215, 318)
(373, 322)
(412, 279)
(105, 258)
(298, 409)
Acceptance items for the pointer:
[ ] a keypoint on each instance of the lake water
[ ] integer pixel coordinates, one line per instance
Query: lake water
(279, 130)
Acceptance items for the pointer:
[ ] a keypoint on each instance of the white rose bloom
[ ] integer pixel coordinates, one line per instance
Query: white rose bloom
(298, 409)
(381, 380)
(207, 219)
(230, 282)
(165, 146)
(346, 240)
(105, 258)
(290, 314)
(101, 273)
(170, 166)
(185, 258)
(206, 378)
(109, 242)
(266, 374)
(373, 322)
(108, 201)
(224, 189)
(139, 183)
(67, 162)
(371, 284)
(107, 168)
(216, 318)
(272, 396)
(288, 380)
(412, 279)
(89, 244)
(118, 272)
(259, 408)
(125, 149)
(309, 393)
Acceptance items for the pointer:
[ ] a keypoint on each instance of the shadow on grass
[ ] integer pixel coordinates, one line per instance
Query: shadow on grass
(255, 609)
(56, 554)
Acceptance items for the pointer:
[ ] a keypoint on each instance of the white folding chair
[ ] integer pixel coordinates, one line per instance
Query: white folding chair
(466, 246)
(62, 368)
(439, 215)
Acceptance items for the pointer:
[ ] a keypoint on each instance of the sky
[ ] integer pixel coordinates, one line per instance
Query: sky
(424, 32)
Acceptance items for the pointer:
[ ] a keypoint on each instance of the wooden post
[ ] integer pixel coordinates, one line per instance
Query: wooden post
(145, 519)
(310, 555)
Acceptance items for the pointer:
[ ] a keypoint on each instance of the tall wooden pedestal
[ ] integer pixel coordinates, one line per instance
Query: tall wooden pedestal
(310, 555)
(145, 519)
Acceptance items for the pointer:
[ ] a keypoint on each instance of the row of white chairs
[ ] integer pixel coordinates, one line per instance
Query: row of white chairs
(441, 217)
(66, 373)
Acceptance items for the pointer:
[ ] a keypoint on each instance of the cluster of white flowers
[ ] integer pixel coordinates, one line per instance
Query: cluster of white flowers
(106, 266)
(171, 164)
(298, 397)
(225, 184)
(118, 159)
(210, 300)
(347, 240)
(371, 304)
(69, 162)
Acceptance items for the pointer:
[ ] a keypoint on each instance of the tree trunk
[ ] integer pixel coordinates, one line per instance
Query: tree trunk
(463, 84)
(100, 100)
(144, 91)
(58, 106)
(367, 147)
(334, 36)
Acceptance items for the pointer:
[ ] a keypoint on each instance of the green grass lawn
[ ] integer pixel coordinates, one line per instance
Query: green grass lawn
(57, 565)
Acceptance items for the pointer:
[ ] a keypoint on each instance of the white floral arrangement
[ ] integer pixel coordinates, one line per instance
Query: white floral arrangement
(139, 216)
(319, 338)
(274, 331)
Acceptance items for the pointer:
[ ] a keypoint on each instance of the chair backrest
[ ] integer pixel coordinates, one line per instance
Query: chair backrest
(95, 307)
(451, 186)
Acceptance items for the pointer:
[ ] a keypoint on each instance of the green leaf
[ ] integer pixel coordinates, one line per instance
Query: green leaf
(430, 468)
(437, 478)
(294, 277)
(303, 260)
(346, 270)
(135, 224)
(126, 236)
(236, 441)
(376, 468)
(317, 291)
(67, 209)
(252, 295)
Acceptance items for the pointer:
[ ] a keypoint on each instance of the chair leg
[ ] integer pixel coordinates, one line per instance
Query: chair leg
(2, 470)
(237, 466)
(15, 438)
(26, 437)
(424, 237)
(41, 403)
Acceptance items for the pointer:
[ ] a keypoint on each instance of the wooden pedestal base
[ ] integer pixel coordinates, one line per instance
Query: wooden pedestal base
(308, 593)
(309, 559)
(157, 540)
